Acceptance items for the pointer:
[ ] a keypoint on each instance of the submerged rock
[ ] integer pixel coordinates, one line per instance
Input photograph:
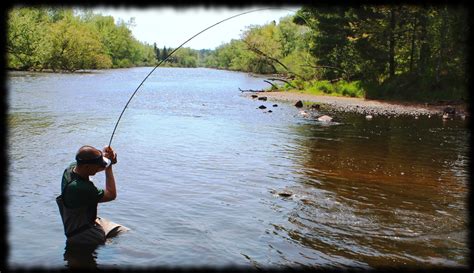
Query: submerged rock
(281, 193)
(325, 118)
(275, 105)
(304, 114)
(254, 96)
(285, 194)
(449, 112)
(262, 98)
(307, 201)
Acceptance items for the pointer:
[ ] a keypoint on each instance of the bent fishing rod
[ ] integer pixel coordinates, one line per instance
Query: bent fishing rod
(172, 52)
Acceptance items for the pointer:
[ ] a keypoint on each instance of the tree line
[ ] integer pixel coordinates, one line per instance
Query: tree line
(60, 39)
(399, 51)
(409, 51)
(406, 51)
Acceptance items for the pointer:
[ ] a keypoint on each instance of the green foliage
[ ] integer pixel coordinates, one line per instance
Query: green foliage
(410, 87)
(26, 27)
(272, 48)
(57, 39)
(350, 89)
(325, 87)
(184, 57)
(71, 46)
(384, 46)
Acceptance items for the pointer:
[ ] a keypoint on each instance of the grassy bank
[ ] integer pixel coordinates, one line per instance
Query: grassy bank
(411, 88)
(341, 88)
(400, 88)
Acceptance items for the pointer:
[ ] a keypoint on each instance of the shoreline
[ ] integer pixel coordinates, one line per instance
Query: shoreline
(361, 105)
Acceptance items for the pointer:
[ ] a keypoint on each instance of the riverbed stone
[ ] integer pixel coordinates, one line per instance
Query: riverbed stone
(325, 118)
(315, 106)
(364, 107)
(299, 104)
(262, 107)
(285, 194)
(449, 112)
(304, 114)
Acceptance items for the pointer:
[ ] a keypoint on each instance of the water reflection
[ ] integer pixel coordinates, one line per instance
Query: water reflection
(31, 123)
(80, 256)
(380, 192)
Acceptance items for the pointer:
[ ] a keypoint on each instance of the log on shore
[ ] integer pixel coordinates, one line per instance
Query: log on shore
(274, 87)
(251, 90)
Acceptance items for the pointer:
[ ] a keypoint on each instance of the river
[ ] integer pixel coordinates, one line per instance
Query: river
(200, 168)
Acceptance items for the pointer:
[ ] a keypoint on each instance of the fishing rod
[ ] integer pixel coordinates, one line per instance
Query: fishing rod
(172, 52)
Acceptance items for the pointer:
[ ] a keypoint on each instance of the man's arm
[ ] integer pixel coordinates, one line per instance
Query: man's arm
(110, 192)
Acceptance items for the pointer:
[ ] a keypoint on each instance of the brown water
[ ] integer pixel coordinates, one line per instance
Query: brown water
(200, 169)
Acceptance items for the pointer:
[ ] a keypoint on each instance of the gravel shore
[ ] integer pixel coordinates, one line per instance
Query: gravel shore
(360, 105)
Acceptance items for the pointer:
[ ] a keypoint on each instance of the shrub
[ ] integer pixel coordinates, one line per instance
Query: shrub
(351, 89)
(324, 86)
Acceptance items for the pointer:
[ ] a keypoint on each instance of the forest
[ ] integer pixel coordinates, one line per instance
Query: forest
(56, 39)
(401, 52)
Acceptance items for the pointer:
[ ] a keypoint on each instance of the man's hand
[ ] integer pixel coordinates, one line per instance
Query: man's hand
(110, 154)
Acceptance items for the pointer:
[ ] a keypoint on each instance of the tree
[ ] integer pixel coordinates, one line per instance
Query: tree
(157, 54)
(26, 32)
(74, 46)
(164, 53)
(330, 44)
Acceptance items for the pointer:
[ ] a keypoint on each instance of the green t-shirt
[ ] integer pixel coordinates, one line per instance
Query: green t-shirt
(79, 192)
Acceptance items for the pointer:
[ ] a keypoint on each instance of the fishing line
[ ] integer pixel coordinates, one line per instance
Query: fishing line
(172, 52)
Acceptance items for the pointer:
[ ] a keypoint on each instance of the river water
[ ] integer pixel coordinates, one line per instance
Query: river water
(200, 169)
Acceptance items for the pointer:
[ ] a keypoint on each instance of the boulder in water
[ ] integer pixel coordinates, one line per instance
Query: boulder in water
(299, 104)
(285, 194)
(262, 98)
(315, 106)
(325, 118)
(262, 107)
(304, 114)
(449, 112)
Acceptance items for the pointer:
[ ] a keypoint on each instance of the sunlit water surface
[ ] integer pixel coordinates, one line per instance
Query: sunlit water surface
(200, 169)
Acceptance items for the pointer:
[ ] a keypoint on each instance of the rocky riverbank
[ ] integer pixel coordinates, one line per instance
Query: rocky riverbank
(362, 106)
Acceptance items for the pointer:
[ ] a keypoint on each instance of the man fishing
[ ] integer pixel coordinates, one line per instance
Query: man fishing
(79, 197)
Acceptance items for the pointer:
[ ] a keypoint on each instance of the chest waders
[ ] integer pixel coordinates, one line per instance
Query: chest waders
(80, 223)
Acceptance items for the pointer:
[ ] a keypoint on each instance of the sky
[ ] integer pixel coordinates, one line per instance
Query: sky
(170, 27)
